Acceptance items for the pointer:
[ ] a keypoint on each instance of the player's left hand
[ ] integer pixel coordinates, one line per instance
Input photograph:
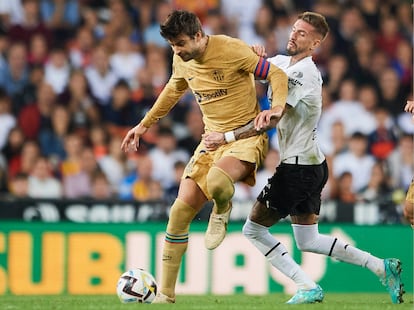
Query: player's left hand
(267, 119)
(259, 50)
(212, 140)
(409, 107)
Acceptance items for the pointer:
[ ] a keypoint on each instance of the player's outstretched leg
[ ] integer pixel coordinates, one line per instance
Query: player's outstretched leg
(392, 279)
(307, 296)
(388, 270)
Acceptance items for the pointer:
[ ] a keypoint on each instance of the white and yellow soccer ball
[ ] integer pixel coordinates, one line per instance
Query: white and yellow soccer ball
(136, 285)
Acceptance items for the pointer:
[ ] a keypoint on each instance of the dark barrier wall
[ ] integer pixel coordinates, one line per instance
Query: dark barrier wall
(119, 211)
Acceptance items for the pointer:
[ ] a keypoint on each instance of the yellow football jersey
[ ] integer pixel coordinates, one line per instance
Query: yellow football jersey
(222, 82)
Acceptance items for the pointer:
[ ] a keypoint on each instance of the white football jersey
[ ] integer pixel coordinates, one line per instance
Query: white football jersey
(297, 128)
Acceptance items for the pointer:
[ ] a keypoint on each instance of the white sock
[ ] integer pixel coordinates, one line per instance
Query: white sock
(309, 239)
(276, 254)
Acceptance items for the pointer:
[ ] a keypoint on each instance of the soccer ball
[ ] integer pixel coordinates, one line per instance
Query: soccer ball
(136, 285)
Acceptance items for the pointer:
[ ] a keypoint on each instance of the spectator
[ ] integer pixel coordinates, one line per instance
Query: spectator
(84, 111)
(402, 64)
(157, 67)
(11, 12)
(344, 197)
(52, 139)
(41, 182)
(351, 23)
(29, 155)
(30, 25)
(4, 182)
(382, 141)
(101, 78)
(73, 145)
(38, 50)
(30, 90)
(36, 116)
(120, 23)
(401, 162)
(98, 138)
(19, 185)
(349, 111)
(12, 150)
(120, 113)
(92, 23)
(57, 70)
(125, 61)
(368, 97)
(81, 48)
(100, 188)
(337, 71)
(151, 33)
(143, 187)
(356, 161)
(114, 164)
(7, 119)
(362, 51)
(389, 36)
(164, 155)
(15, 75)
(79, 185)
(171, 192)
(195, 128)
(240, 16)
(378, 189)
(391, 94)
(61, 16)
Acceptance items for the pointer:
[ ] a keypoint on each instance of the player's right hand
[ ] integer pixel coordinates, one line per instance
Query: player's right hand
(131, 140)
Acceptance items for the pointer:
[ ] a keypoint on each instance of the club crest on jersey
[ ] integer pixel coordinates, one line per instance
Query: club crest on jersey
(297, 75)
(218, 75)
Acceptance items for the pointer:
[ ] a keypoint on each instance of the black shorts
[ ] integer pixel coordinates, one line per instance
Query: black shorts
(295, 189)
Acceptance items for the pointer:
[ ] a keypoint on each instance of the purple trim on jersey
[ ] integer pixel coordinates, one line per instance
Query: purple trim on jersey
(262, 68)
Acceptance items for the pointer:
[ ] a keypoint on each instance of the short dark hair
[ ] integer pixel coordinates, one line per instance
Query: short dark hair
(180, 22)
(317, 20)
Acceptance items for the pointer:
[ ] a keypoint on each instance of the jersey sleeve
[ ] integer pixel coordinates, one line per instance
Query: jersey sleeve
(168, 97)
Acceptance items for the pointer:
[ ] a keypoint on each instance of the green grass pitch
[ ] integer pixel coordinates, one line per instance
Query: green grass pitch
(332, 301)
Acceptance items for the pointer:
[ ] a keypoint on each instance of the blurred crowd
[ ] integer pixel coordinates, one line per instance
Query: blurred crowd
(76, 75)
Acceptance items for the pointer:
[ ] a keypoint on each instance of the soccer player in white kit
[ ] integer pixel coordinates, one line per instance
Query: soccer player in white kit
(295, 188)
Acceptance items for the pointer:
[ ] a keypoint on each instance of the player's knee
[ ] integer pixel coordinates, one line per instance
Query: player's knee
(252, 231)
(409, 211)
(306, 240)
(181, 215)
(219, 184)
(306, 245)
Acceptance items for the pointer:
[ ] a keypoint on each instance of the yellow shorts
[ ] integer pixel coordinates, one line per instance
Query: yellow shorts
(252, 150)
(410, 193)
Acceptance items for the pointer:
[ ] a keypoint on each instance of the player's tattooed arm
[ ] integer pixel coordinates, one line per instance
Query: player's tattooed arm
(213, 140)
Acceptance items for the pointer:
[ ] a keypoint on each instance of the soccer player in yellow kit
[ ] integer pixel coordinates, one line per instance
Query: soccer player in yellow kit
(220, 72)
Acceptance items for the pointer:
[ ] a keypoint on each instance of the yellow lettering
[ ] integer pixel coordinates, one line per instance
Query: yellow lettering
(20, 264)
(94, 263)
